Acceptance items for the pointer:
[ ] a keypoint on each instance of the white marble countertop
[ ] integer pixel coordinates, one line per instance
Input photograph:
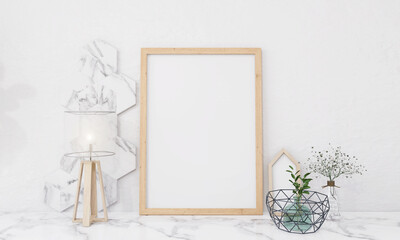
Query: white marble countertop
(131, 226)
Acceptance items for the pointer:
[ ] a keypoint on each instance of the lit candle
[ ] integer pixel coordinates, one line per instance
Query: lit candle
(89, 138)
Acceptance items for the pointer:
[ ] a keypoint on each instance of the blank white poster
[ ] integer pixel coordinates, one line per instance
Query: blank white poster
(201, 136)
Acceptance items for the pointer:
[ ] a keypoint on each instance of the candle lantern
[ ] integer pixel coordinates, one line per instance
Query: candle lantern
(90, 136)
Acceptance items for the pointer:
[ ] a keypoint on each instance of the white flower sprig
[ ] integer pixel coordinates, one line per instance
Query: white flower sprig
(332, 163)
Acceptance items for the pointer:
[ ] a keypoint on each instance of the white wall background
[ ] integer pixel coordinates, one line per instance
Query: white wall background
(331, 73)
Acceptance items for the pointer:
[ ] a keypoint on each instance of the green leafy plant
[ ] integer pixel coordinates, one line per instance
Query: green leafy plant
(301, 184)
(298, 212)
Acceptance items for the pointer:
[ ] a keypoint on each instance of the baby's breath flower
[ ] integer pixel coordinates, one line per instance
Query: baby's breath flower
(332, 163)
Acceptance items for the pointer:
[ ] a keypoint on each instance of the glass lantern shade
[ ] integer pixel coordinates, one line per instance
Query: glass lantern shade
(90, 133)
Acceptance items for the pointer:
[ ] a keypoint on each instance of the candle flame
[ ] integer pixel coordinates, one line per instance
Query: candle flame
(89, 138)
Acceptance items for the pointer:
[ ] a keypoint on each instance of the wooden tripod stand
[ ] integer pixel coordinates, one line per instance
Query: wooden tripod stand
(90, 194)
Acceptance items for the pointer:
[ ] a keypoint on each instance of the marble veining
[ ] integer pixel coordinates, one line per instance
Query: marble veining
(129, 225)
(108, 89)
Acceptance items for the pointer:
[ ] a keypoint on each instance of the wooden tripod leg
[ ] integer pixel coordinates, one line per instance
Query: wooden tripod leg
(102, 191)
(77, 192)
(93, 201)
(87, 192)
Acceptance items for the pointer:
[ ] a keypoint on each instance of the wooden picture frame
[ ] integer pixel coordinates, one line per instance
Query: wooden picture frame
(258, 161)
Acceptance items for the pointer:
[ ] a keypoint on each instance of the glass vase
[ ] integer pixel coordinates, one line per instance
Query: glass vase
(332, 191)
(297, 216)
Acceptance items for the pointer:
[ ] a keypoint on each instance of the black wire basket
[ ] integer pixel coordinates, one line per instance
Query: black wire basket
(297, 215)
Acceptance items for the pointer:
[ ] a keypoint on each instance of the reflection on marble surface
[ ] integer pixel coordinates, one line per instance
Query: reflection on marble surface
(131, 226)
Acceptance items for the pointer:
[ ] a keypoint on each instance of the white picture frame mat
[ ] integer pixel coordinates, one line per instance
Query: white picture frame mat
(201, 135)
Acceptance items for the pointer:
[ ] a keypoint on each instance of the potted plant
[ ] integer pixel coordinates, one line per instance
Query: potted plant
(297, 214)
(333, 163)
(297, 210)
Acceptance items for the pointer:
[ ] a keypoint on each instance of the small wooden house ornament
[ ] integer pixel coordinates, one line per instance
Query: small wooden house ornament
(271, 164)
